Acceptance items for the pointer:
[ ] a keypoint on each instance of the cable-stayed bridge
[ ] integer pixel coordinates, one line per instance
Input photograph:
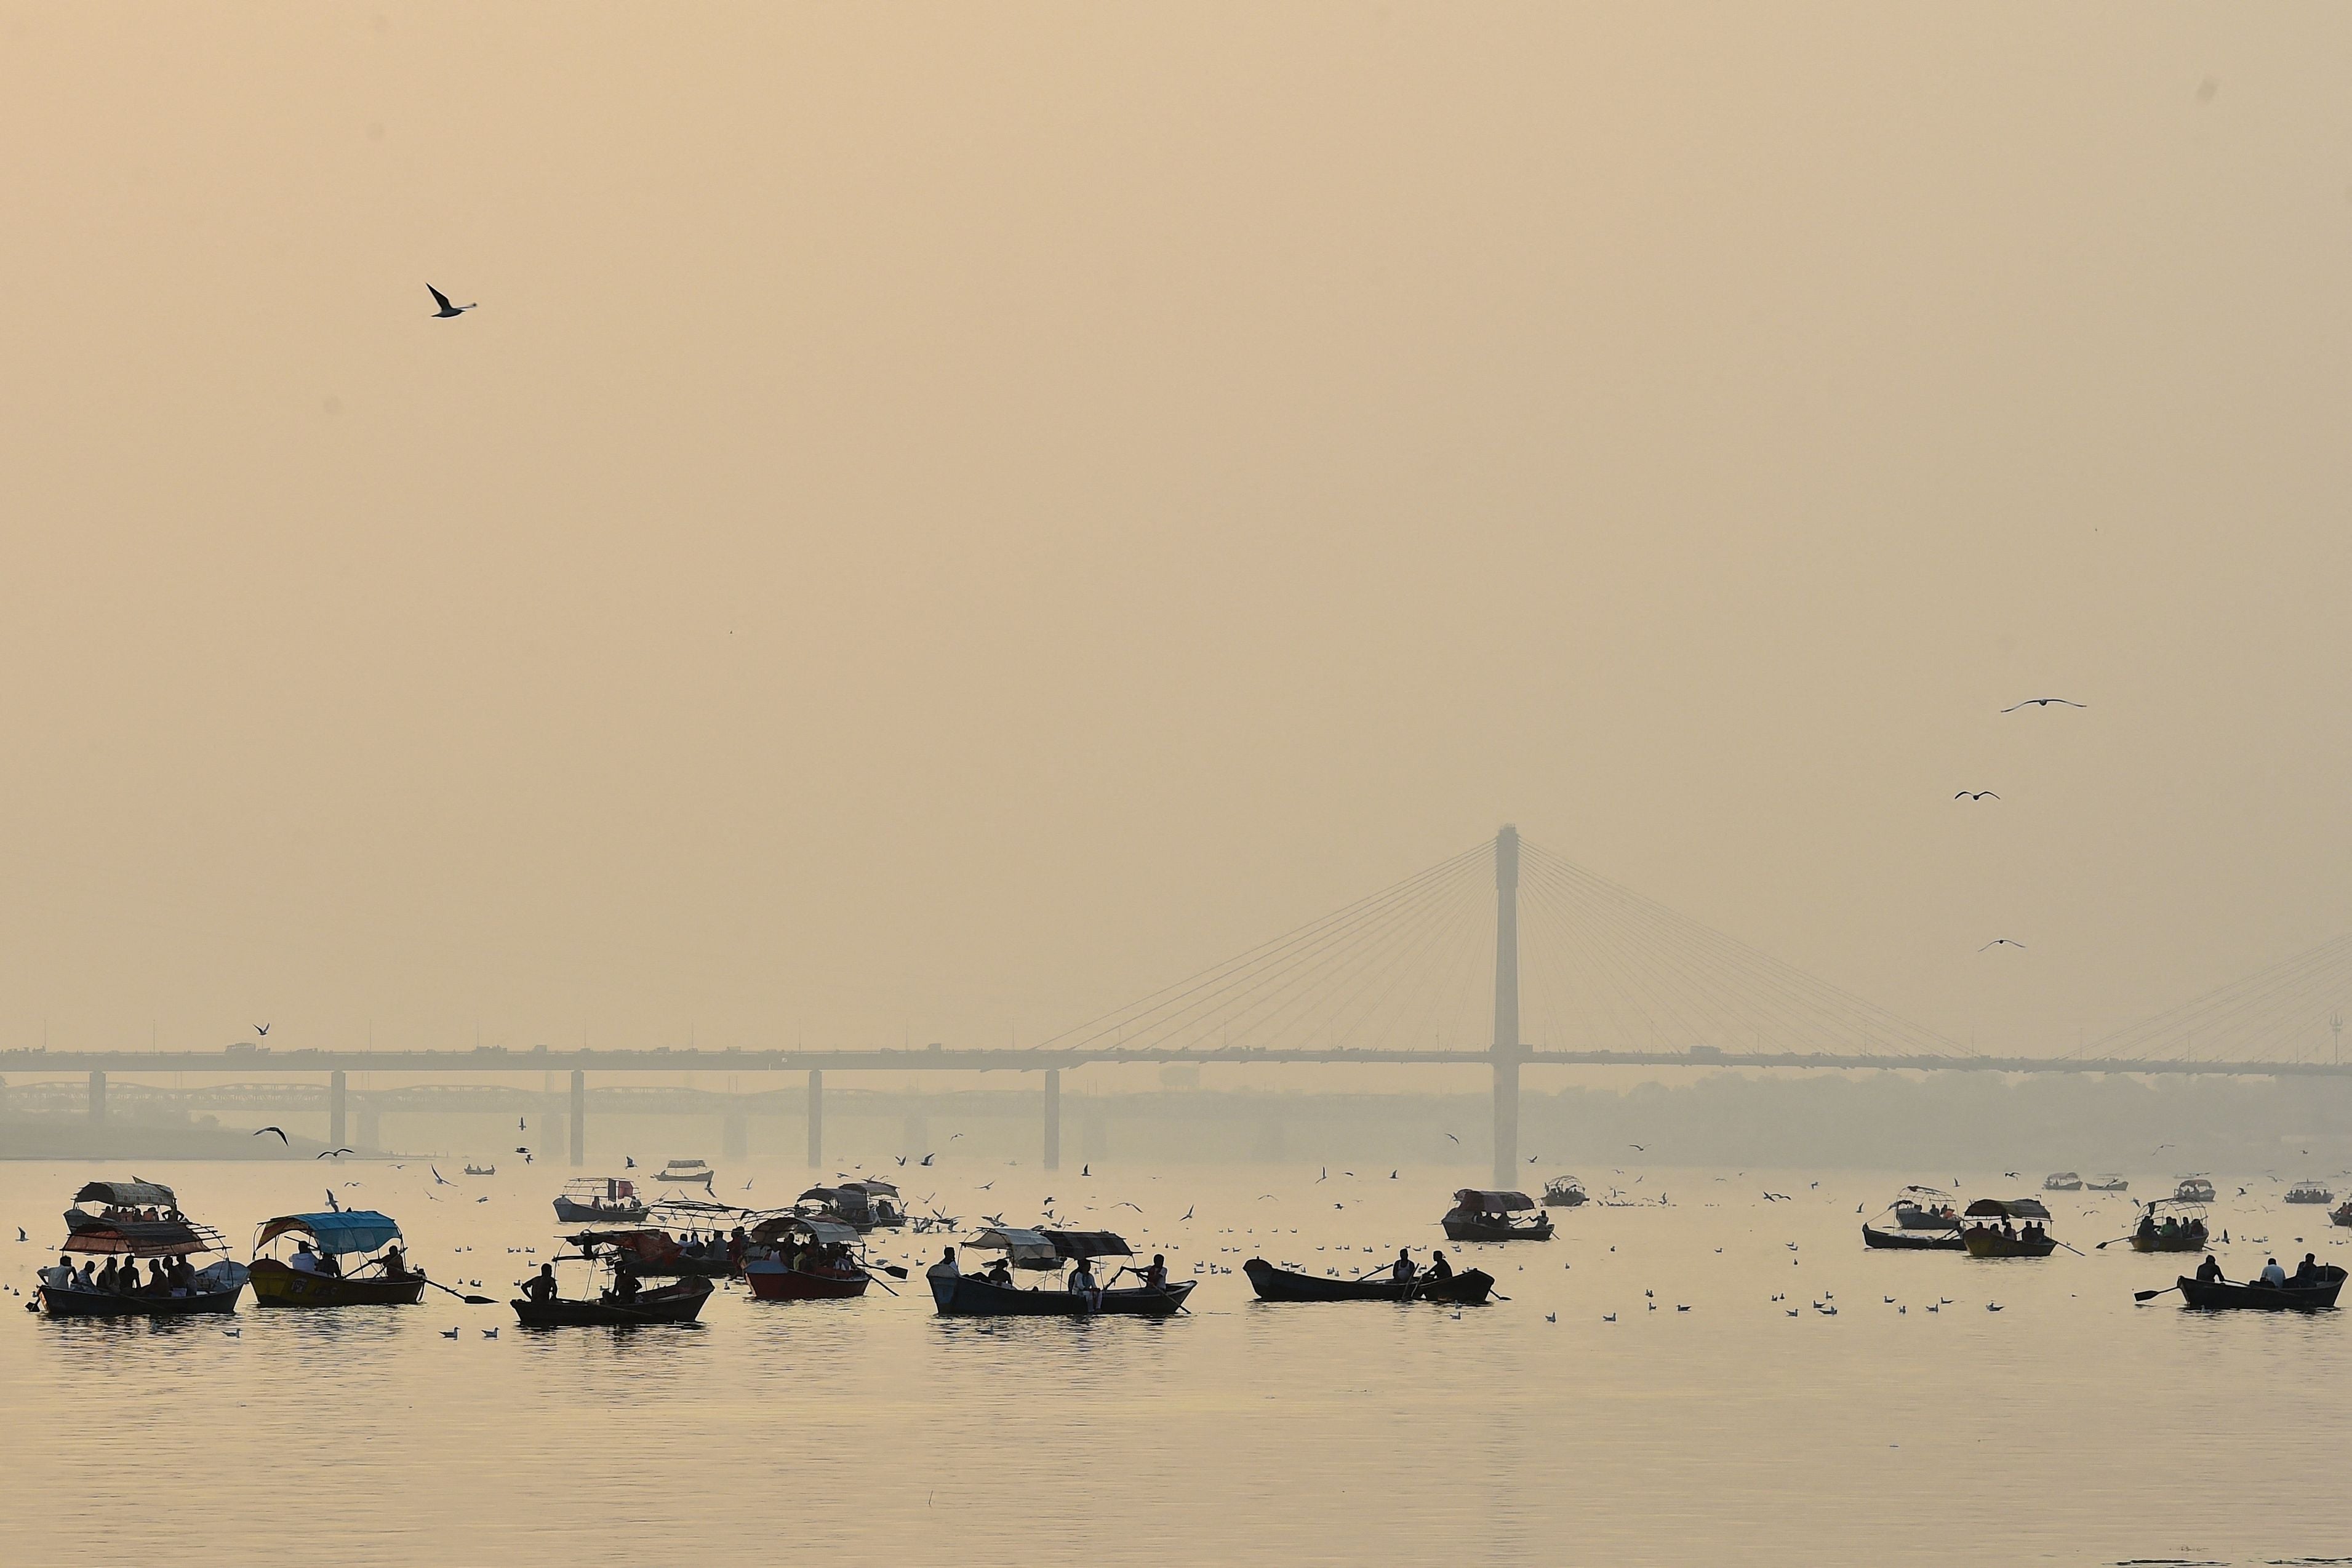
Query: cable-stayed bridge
(1503, 956)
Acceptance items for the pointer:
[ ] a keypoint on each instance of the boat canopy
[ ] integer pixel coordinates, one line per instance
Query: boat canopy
(1932, 1195)
(1025, 1248)
(1492, 1203)
(1088, 1244)
(337, 1235)
(820, 1195)
(824, 1232)
(138, 1237)
(612, 1189)
(871, 1188)
(128, 1195)
(2007, 1208)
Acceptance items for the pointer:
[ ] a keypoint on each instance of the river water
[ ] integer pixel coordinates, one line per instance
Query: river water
(2070, 1426)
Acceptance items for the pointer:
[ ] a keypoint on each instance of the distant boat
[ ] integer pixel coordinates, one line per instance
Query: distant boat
(481, 1169)
(590, 1199)
(1481, 1215)
(686, 1173)
(2309, 1192)
(2224, 1295)
(1913, 1241)
(137, 1220)
(2108, 1183)
(1924, 1208)
(1468, 1288)
(679, 1303)
(2061, 1181)
(1563, 1192)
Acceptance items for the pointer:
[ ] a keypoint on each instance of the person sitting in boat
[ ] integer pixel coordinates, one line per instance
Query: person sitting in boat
(624, 1293)
(304, 1260)
(184, 1277)
(2209, 1271)
(946, 1268)
(541, 1287)
(1000, 1273)
(329, 1267)
(2307, 1272)
(159, 1283)
(1082, 1283)
(396, 1262)
(89, 1277)
(1438, 1268)
(1402, 1270)
(739, 1247)
(106, 1276)
(1155, 1277)
(2272, 1274)
(62, 1278)
(2147, 1231)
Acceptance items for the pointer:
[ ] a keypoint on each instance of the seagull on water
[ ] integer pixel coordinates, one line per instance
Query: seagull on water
(443, 300)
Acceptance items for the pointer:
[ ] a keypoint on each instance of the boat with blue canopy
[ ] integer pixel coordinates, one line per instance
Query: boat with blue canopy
(299, 1261)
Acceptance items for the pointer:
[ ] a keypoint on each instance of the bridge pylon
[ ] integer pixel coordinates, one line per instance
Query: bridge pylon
(1508, 1049)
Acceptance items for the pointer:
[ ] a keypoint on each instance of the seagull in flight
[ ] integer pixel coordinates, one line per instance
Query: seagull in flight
(1976, 794)
(331, 1153)
(261, 1029)
(438, 1179)
(2045, 703)
(279, 1131)
(1188, 1213)
(2003, 941)
(443, 300)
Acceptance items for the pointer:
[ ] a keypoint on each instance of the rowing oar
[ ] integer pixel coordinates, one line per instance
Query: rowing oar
(2152, 1295)
(2077, 1251)
(2106, 1244)
(469, 1301)
(879, 1280)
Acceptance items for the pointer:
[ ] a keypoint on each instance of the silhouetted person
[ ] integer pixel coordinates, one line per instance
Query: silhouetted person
(540, 1287)
(2209, 1271)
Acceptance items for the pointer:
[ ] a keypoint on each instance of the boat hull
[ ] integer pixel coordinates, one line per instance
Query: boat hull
(1468, 1288)
(681, 1303)
(111, 1304)
(771, 1282)
(969, 1296)
(1919, 1241)
(2224, 1295)
(1496, 1230)
(1983, 1243)
(571, 1212)
(276, 1285)
(2170, 1243)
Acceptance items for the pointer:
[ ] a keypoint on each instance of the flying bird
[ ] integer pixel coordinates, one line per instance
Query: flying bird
(443, 300)
(627, 1163)
(279, 1131)
(2003, 941)
(522, 1125)
(332, 1205)
(1976, 794)
(331, 1153)
(1188, 1214)
(1637, 1148)
(927, 1159)
(438, 1179)
(2044, 702)
(261, 1029)
(1450, 1136)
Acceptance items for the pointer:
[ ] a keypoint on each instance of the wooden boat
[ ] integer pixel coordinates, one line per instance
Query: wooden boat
(1468, 1288)
(2108, 1183)
(138, 1221)
(2222, 1295)
(2309, 1192)
(686, 1174)
(347, 1233)
(653, 1254)
(1564, 1193)
(1481, 1215)
(861, 1205)
(2342, 1212)
(2194, 1190)
(777, 1261)
(2179, 1227)
(969, 1296)
(1913, 1241)
(481, 1170)
(593, 1199)
(2061, 1181)
(1924, 1208)
(679, 1303)
(1983, 1240)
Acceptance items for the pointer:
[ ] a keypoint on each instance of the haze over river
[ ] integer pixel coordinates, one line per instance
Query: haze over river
(2070, 1426)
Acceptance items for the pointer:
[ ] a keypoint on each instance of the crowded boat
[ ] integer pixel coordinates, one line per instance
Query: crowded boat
(126, 1223)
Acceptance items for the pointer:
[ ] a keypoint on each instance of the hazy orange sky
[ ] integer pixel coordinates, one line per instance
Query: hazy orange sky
(947, 518)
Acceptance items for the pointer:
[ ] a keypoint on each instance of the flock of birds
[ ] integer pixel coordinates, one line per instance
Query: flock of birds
(1981, 795)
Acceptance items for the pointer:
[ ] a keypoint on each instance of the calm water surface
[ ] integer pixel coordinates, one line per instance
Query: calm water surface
(2071, 1427)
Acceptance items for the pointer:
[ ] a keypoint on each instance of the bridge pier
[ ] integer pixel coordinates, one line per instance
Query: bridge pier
(97, 1098)
(735, 1135)
(335, 1104)
(816, 1118)
(1053, 1119)
(1507, 1046)
(578, 1131)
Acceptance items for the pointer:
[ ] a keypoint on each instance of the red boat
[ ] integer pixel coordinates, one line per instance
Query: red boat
(799, 1257)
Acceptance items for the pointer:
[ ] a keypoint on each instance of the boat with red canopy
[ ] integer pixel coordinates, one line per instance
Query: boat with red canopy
(799, 1257)
(658, 1255)
(137, 1221)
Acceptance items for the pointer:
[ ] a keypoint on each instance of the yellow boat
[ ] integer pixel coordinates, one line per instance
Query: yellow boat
(314, 1276)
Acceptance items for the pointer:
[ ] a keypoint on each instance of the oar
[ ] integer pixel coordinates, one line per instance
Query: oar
(2106, 1244)
(879, 1280)
(892, 1269)
(2077, 1251)
(469, 1301)
(2152, 1295)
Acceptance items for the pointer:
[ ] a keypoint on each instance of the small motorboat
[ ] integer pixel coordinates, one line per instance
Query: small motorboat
(480, 1171)
(1564, 1193)
(1992, 1234)
(2309, 1192)
(2109, 1183)
(2167, 1224)
(326, 1239)
(2194, 1190)
(1468, 1288)
(135, 1221)
(2222, 1295)
(679, 1303)
(971, 1296)
(1481, 1215)
(593, 1199)
(1913, 1241)
(686, 1174)
(797, 1258)
(861, 1205)
(2061, 1181)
